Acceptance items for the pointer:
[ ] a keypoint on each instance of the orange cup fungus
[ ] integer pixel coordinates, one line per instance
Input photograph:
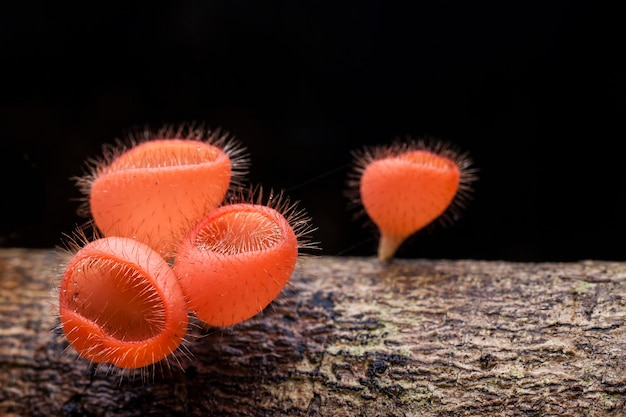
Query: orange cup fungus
(120, 303)
(405, 187)
(154, 189)
(236, 261)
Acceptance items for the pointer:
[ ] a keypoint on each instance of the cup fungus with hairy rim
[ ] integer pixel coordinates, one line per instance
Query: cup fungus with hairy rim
(235, 262)
(152, 190)
(406, 186)
(120, 303)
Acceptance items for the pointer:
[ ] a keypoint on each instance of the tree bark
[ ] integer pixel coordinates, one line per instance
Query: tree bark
(349, 337)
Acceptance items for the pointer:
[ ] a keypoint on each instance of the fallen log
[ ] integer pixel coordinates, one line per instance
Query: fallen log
(349, 337)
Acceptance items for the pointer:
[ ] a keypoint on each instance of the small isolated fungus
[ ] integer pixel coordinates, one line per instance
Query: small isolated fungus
(153, 187)
(120, 303)
(239, 257)
(403, 187)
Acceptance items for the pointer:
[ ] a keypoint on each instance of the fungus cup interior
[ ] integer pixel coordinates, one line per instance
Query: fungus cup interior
(121, 303)
(429, 159)
(117, 298)
(238, 232)
(167, 153)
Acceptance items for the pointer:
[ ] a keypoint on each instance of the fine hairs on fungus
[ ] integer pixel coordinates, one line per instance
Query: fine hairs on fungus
(405, 186)
(158, 181)
(239, 257)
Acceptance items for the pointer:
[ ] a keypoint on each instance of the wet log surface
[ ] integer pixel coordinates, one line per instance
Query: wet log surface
(350, 337)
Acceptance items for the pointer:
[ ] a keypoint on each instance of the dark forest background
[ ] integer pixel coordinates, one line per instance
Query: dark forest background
(533, 91)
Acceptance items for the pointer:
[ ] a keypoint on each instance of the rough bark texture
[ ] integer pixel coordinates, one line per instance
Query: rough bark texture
(350, 337)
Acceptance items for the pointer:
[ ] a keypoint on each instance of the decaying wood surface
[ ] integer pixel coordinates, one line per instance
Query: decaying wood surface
(351, 337)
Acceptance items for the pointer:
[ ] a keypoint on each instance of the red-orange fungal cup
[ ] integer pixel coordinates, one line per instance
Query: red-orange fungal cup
(151, 190)
(405, 187)
(120, 303)
(236, 260)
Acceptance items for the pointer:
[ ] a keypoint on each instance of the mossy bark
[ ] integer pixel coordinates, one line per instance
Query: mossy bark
(349, 337)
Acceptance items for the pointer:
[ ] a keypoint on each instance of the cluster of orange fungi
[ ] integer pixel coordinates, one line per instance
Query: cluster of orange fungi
(175, 236)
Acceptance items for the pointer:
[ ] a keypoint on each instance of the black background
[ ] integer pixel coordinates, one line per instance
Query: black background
(533, 91)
